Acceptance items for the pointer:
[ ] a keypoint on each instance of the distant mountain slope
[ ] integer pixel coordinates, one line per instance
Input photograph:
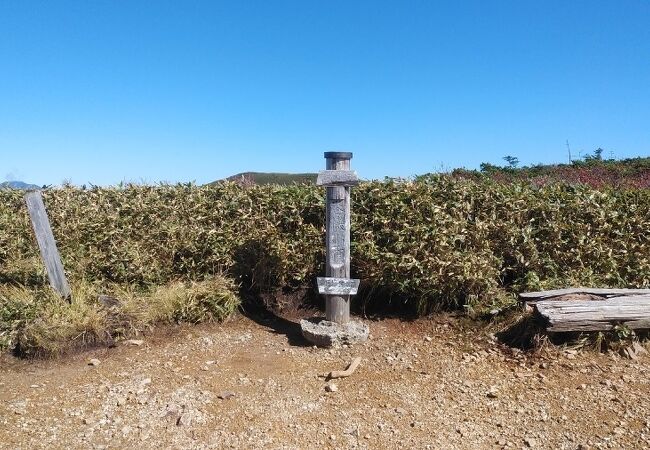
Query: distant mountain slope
(273, 178)
(18, 185)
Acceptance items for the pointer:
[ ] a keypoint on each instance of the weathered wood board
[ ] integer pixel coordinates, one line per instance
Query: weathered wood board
(337, 286)
(47, 244)
(532, 297)
(589, 315)
(337, 238)
(337, 178)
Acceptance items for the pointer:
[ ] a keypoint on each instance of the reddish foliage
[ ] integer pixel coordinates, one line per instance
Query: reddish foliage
(625, 174)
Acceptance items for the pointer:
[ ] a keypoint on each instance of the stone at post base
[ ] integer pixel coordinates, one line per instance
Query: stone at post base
(324, 333)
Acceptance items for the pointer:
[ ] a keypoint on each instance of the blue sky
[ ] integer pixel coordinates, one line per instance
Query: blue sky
(105, 91)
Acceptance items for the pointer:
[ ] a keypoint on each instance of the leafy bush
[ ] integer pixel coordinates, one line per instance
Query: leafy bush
(433, 242)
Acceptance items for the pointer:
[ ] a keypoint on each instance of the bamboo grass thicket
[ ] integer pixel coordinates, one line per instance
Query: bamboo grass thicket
(433, 242)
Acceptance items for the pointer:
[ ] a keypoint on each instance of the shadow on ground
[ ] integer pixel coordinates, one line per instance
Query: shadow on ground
(253, 307)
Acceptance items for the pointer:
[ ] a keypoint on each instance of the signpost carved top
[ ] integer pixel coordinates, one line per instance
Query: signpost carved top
(337, 178)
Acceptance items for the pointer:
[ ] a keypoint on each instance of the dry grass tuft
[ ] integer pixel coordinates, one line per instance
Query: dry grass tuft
(60, 327)
(17, 306)
(40, 324)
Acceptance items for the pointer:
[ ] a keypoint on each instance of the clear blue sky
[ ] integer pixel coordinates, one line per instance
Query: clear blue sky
(104, 91)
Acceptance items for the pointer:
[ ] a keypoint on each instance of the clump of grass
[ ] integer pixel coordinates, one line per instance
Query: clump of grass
(61, 327)
(194, 302)
(17, 307)
(615, 340)
(40, 324)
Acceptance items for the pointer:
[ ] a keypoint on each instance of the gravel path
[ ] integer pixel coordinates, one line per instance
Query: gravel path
(424, 384)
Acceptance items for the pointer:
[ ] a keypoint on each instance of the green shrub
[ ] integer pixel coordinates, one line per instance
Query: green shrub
(433, 242)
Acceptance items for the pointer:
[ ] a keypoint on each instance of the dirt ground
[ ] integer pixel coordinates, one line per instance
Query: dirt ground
(246, 384)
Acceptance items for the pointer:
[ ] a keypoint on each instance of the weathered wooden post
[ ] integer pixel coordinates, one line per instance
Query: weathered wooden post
(46, 244)
(336, 286)
(338, 178)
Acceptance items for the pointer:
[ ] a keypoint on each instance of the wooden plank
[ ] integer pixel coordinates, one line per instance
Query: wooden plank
(337, 241)
(584, 290)
(532, 297)
(47, 244)
(587, 315)
(337, 286)
(337, 178)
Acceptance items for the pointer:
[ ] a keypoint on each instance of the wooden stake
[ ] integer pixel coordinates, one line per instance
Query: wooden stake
(47, 244)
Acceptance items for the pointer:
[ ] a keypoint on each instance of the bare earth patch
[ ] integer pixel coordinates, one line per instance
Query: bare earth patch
(424, 384)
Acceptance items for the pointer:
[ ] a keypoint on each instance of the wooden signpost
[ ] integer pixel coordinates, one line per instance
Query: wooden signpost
(337, 178)
(336, 285)
(46, 244)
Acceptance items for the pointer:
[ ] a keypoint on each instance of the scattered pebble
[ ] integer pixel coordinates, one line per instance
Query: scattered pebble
(530, 442)
(226, 395)
(183, 420)
(493, 392)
